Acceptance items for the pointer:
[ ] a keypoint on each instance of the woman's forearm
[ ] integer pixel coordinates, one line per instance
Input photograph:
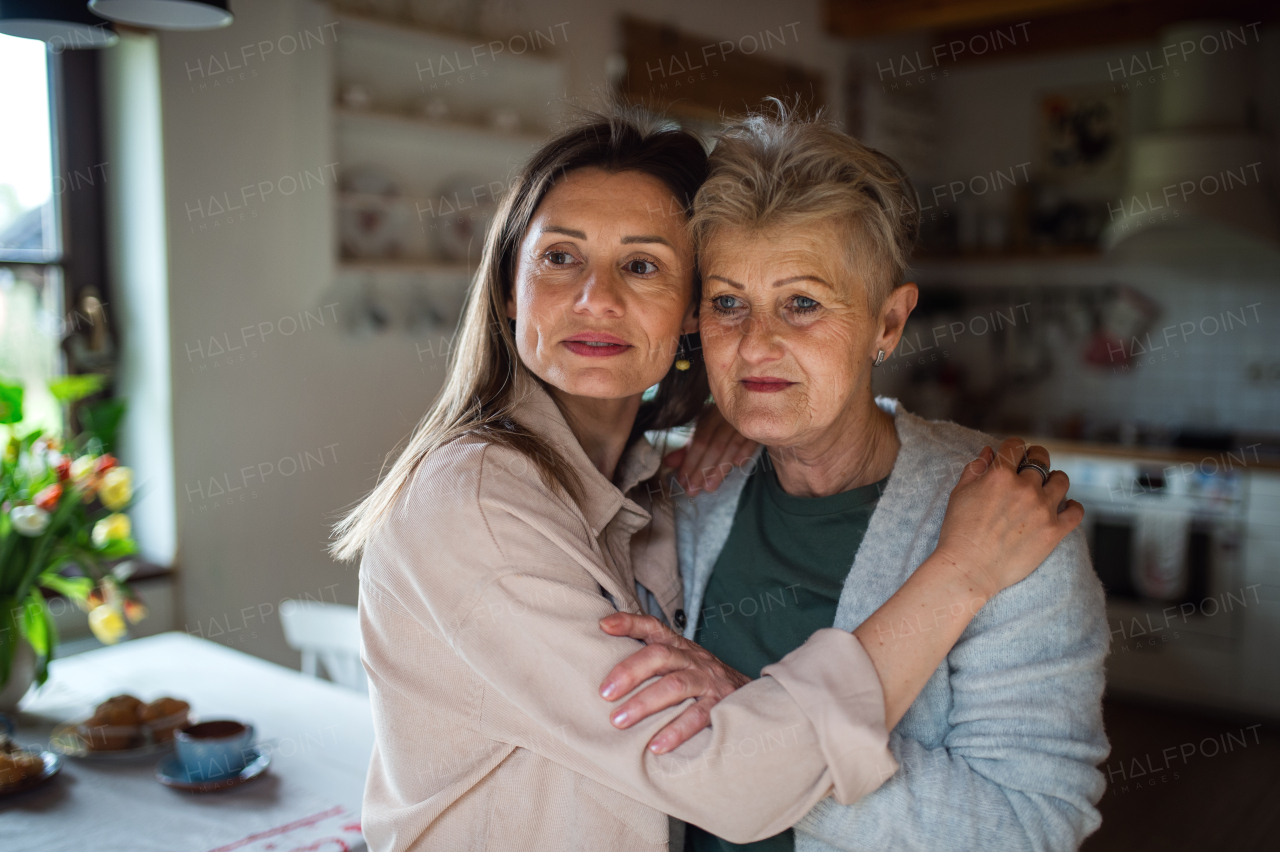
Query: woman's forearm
(910, 635)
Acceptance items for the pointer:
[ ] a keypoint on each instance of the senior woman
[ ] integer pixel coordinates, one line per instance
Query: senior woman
(803, 235)
(519, 515)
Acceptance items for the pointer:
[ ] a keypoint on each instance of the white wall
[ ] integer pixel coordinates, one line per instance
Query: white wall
(248, 277)
(133, 146)
(344, 400)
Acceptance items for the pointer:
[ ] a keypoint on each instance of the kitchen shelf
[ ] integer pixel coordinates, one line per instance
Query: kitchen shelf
(406, 68)
(1047, 255)
(998, 270)
(418, 267)
(522, 138)
(345, 197)
(1169, 455)
(421, 35)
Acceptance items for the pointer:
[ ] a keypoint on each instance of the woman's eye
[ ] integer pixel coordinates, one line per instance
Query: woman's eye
(641, 267)
(559, 258)
(803, 304)
(724, 304)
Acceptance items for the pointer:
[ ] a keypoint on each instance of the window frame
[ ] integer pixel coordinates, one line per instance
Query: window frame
(75, 115)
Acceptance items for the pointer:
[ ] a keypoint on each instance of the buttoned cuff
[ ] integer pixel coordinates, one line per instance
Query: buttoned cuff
(836, 685)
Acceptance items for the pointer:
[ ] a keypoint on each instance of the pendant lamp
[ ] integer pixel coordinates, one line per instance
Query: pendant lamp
(166, 14)
(61, 24)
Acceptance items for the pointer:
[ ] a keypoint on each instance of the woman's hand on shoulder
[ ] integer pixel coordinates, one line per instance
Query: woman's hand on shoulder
(685, 670)
(716, 449)
(1002, 523)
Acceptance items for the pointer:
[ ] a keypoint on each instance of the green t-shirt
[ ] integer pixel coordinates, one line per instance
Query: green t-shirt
(776, 582)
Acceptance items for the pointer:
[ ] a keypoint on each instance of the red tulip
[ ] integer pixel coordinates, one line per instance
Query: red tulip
(104, 463)
(134, 610)
(64, 469)
(48, 498)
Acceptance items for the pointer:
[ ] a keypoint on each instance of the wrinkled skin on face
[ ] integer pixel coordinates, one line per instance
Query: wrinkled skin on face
(788, 334)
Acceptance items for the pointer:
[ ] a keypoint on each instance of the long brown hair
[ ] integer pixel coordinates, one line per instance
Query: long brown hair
(477, 397)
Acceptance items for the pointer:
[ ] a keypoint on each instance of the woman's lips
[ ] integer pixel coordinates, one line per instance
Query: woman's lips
(596, 344)
(765, 384)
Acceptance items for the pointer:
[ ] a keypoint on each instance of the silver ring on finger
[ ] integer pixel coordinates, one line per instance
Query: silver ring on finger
(1037, 467)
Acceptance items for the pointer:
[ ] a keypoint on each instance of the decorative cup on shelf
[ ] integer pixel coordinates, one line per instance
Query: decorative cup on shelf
(505, 120)
(356, 96)
(434, 108)
(465, 208)
(213, 750)
(371, 223)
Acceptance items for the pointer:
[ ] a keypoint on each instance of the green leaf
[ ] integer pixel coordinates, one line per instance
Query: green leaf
(117, 549)
(41, 632)
(10, 402)
(34, 626)
(76, 588)
(101, 421)
(68, 389)
(8, 636)
(8, 547)
(39, 562)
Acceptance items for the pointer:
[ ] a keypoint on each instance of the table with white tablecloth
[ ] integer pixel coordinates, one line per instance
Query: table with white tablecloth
(319, 737)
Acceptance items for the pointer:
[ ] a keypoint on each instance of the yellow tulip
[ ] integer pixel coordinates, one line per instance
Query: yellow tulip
(107, 624)
(113, 527)
(84, 478)
(116, 487)
(82, 467)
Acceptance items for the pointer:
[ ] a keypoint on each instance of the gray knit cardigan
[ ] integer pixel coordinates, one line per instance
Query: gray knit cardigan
(999, 751)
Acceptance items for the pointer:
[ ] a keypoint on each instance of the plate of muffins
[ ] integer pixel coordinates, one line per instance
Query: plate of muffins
(123, 726)
(23, 768)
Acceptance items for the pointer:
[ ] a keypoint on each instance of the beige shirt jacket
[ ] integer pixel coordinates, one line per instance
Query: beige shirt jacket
(479, 607)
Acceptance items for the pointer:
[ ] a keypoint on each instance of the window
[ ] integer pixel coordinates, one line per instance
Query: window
(50, 221)
(30, 296)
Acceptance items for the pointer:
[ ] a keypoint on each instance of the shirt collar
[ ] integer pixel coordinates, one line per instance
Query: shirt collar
(601, 499)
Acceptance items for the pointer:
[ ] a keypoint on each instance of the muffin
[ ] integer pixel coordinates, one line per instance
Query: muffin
(118, 710)
(114, 724)
(163, 717)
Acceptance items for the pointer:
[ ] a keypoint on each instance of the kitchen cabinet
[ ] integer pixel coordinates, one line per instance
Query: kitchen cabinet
(1260, 682)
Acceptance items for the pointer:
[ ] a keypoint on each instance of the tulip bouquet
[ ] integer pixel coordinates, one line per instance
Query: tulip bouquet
(61, 523)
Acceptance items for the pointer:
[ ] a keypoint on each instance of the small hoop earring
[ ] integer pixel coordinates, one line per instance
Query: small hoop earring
(879, 359)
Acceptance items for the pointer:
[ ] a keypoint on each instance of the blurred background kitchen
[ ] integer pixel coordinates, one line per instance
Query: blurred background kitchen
(260, 235)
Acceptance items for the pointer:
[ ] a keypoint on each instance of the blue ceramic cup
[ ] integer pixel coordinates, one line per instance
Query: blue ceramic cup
(210, 751)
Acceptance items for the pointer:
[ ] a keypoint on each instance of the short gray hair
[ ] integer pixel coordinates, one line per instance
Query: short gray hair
(782, 170)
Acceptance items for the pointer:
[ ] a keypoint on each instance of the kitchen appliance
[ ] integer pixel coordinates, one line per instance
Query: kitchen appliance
(1169, 541)
(1160, 533)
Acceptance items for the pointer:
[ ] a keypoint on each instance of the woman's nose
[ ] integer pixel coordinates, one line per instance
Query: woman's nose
(601, 295)
(760, 341)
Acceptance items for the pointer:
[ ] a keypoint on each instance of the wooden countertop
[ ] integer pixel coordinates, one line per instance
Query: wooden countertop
(1205, 459)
